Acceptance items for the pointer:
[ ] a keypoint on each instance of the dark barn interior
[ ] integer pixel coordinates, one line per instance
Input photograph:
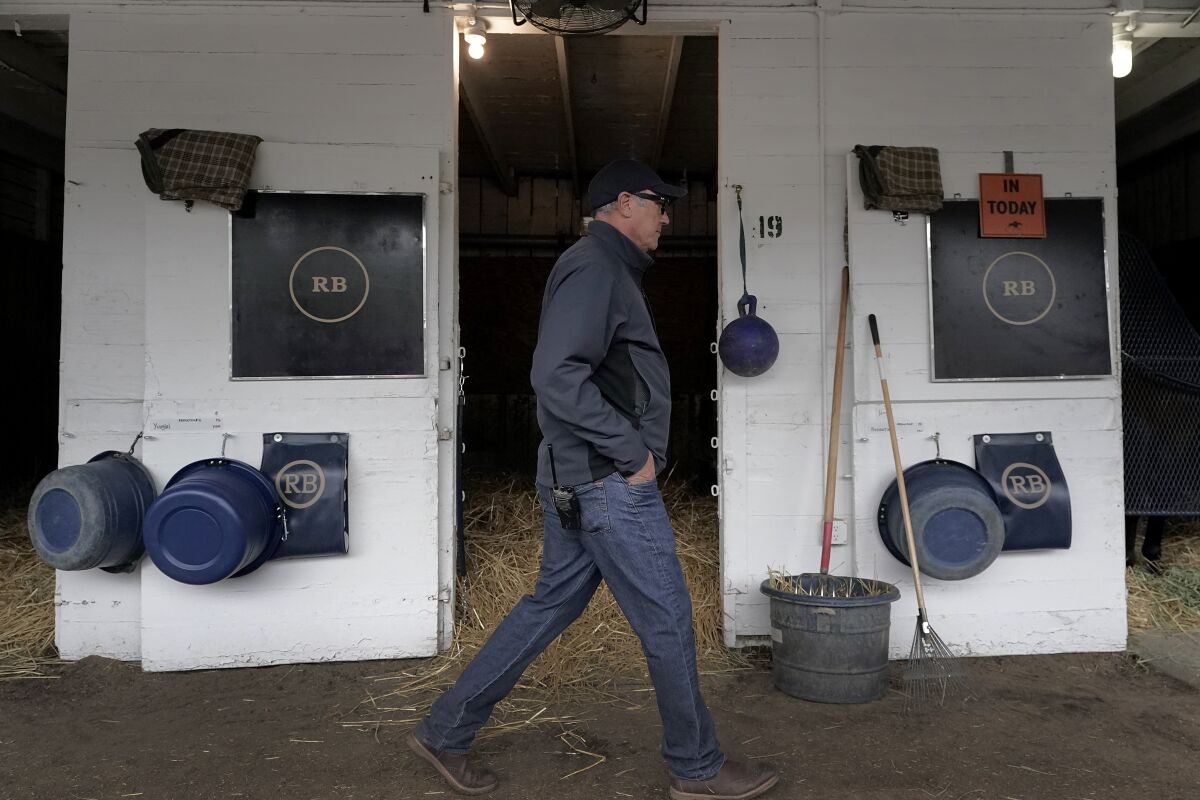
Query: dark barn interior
(33, 110)
(1158, 157)
(1158, 175)
(539, 115)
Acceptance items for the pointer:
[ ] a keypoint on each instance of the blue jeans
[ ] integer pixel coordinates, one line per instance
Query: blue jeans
(626, 540)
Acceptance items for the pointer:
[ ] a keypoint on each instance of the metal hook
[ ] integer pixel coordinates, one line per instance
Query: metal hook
(462, 376)
(224, 438)
(134, 443)
(737, 188)
(937, 442)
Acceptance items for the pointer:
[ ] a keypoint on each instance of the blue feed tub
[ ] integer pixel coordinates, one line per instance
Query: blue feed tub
(90, 515)
(216, 519)
(957, 525)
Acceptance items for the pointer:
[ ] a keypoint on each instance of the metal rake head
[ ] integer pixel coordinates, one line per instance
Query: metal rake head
(933, 672)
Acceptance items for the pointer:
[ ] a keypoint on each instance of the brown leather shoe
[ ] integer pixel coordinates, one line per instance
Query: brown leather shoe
(463, 776)
(737, 780)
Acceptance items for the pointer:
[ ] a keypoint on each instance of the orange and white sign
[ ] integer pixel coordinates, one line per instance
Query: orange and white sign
(1011, 206)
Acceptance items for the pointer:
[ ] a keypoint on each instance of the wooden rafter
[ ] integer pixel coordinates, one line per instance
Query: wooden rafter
(668, 95)
(564, 80)
(471, 98)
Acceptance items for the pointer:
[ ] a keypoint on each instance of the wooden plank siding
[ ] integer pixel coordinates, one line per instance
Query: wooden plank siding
(955, 83)
(346, 99)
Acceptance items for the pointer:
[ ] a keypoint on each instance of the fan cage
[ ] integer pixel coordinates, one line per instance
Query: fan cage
(584, 20)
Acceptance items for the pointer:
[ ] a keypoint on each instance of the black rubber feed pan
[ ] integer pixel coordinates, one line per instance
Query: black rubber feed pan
(957, 525)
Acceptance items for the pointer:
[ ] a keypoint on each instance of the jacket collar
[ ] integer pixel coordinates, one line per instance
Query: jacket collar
(621, 246)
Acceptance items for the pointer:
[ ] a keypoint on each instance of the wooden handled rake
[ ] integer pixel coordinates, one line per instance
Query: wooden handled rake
(933, 672)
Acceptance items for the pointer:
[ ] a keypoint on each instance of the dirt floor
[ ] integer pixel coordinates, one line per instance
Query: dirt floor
(1054, 727)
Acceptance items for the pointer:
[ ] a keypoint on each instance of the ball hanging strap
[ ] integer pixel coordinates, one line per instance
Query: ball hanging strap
(748, 345)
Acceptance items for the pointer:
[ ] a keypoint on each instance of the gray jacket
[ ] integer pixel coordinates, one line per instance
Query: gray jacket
(602, 383)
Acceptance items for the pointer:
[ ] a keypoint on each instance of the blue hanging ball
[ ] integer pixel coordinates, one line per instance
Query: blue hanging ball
(748, 345)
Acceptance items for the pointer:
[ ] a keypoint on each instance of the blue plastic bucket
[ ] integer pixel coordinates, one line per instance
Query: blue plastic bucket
(216, 519)
(90, 515)
(957, 525)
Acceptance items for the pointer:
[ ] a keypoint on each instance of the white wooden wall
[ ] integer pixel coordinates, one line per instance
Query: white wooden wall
(771, 466)
(972, 86)
(350, 99)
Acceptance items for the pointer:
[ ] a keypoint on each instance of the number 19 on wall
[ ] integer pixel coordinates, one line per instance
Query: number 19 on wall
(770, 227)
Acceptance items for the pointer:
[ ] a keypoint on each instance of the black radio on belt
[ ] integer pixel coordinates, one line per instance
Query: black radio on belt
(565, 501)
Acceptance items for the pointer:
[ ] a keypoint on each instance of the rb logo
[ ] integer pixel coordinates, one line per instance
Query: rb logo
(300, 483)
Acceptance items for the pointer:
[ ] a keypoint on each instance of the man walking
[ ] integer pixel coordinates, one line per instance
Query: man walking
(603, 404)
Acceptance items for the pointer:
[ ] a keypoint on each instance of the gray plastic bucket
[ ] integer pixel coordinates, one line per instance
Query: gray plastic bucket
(90, 515)
(957, 526)
(831, 649)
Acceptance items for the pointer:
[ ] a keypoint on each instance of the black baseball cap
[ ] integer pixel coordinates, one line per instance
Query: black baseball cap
(627, 175)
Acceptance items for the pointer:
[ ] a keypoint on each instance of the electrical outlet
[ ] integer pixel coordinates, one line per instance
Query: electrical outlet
(841, 534)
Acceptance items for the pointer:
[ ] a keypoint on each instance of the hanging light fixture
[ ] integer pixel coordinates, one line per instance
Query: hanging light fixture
(475, 35)
(1122, 54)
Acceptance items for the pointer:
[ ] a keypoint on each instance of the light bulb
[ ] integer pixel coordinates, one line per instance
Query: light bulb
(1122, 55)
(474, 34)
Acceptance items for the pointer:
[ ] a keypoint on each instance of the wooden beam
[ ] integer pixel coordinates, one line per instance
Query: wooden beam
(472, 96)
(27, 60)
(668, 96)
(564, 80)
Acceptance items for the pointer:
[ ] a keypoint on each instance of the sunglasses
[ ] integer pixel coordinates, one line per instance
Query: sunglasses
(663, 202)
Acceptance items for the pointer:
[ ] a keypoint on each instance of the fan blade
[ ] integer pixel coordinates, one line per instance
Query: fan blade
(547, 9)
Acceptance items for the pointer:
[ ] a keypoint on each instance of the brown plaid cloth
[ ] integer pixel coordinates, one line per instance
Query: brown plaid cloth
(900, 178)
(188, 165)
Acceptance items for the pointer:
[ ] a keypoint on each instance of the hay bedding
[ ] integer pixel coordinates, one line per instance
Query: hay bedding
(1168, 599)
(26, 598)
(596, 655)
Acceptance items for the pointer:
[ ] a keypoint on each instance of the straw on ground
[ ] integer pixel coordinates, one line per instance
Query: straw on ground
(594, 657)
(26, 597)
(1168, 599)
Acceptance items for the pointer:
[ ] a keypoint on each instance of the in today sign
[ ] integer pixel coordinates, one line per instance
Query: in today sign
(1011, 206)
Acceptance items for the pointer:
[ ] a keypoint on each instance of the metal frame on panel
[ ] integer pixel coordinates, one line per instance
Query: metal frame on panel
(424, 290)
(1107, 305)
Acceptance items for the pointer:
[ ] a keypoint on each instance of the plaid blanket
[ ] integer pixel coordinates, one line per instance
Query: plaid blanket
(900, 178)
(189, 165)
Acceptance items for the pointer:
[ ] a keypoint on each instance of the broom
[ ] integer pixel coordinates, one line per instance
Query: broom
(933, 671)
